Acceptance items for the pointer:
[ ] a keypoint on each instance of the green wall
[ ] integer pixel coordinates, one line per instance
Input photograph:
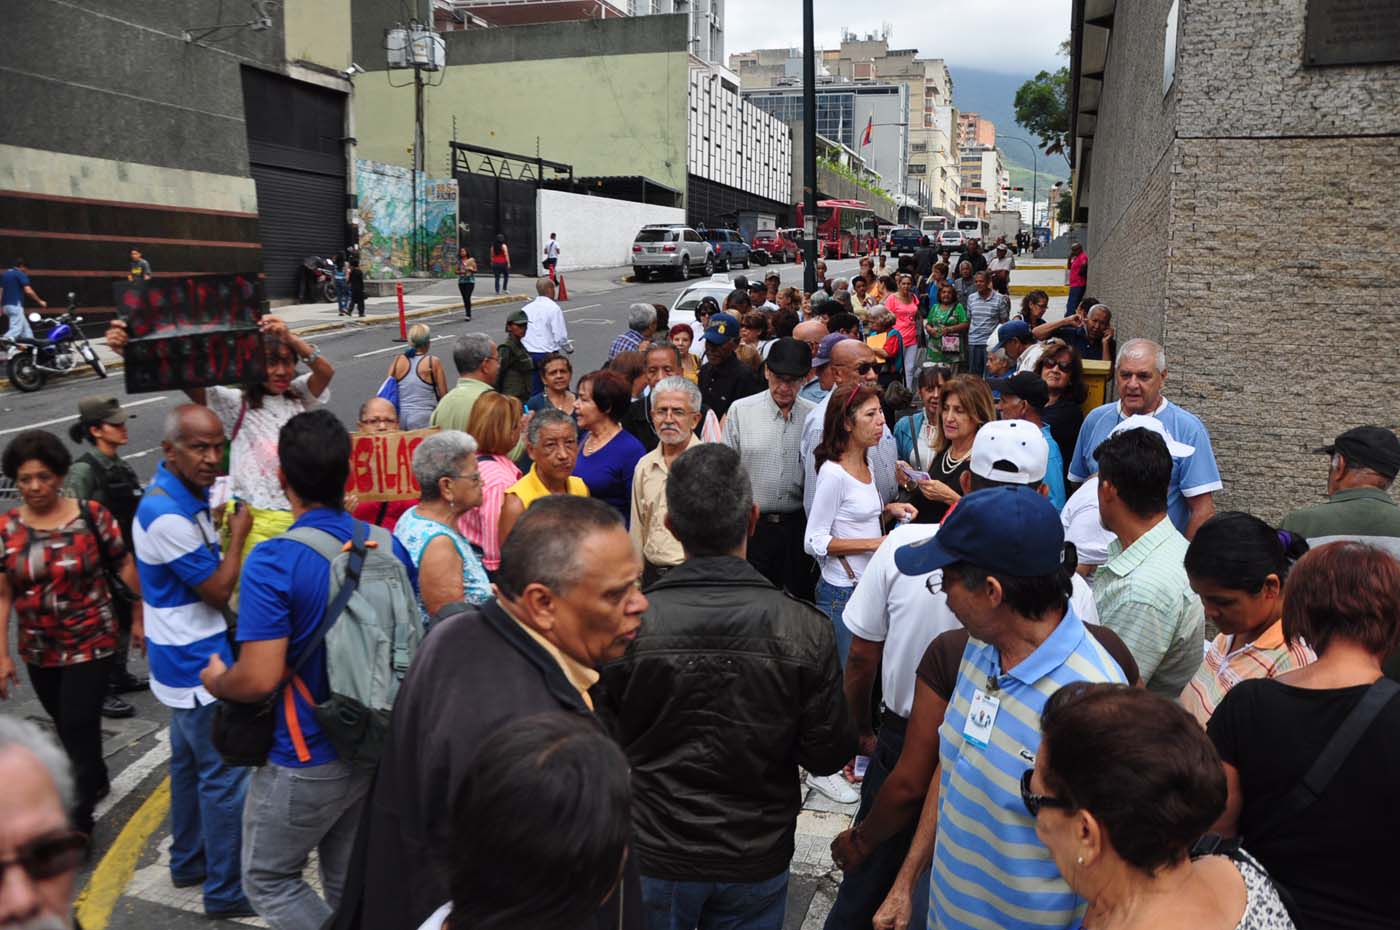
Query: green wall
(618, 114)
(318, 31)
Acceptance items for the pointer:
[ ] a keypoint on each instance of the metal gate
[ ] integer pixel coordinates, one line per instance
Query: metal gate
(496, 195)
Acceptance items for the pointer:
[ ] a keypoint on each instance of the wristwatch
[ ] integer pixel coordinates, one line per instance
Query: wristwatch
(315, 354)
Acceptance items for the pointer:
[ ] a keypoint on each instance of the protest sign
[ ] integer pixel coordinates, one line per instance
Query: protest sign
(191, 332)
(381, 465)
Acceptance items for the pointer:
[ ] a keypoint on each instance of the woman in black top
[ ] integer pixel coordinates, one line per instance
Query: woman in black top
(1333, 855)
(966, 404)
(1060, 367)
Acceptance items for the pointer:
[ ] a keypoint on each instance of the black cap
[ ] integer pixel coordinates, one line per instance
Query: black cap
(1025, 385)
(790, 357)
(1373, 447)
(737, 296)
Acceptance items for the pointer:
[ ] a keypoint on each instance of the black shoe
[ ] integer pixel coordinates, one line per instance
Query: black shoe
(469, 317)
(123, 682)
(242, 909)
(116, 708)
(187, 882)
(102, 792)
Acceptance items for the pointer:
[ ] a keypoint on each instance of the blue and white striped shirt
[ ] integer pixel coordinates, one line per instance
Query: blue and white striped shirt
(990, 870)
(177, 549)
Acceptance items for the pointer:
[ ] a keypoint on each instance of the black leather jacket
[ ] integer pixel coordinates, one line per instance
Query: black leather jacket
(730, 685)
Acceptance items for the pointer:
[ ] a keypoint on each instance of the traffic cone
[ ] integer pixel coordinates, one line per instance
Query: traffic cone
(563, 291)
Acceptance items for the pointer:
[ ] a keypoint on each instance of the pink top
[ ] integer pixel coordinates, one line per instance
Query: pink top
(904, 316)
(1078, 276)
(480, 524)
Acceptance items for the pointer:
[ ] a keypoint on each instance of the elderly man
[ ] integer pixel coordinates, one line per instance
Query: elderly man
(1015, 339)
(758, 297)
(1091, 332)
(963, 281)
(811, 332)
(675, 413)
(546, 330)
(724, 379)
(641, 326)
(40, 851)
(478, 366)
(766, 430)
(1363, 464)
(851, 361)
(663, 360)
(567, 603)
(726, 662)
(1000, 266)
(823, 377)
(1141, 373)
(986, 310)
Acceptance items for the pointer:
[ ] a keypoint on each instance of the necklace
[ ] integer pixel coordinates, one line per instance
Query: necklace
(599, 443)
(950, 463)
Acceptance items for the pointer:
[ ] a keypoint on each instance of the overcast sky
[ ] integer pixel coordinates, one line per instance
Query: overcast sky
(1012, 36)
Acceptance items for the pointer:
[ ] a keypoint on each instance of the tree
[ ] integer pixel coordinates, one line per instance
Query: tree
(1066, 207)
(1042, 107)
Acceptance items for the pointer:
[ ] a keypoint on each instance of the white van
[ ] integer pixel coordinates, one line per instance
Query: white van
(931, 226)
(973, 227)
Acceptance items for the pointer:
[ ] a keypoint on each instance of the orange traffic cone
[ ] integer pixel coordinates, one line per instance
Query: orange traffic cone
(563, 291)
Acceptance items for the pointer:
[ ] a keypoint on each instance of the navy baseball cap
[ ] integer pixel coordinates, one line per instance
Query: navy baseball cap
(722, 328)
(1016, 329)
(1007, 531)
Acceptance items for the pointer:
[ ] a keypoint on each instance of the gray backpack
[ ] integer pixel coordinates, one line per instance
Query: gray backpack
(372, 629)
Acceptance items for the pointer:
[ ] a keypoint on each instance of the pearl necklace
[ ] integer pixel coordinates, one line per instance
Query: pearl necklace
(950, 463)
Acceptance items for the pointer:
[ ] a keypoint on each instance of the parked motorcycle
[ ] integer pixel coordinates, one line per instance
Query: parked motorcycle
(322, 274)
(64, 349)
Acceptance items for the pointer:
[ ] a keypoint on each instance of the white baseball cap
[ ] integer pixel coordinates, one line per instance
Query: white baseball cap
(1178, 450)
(1014, 443)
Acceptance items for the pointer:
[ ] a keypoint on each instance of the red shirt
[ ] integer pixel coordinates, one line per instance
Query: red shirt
(1078, 271)
(383, 513)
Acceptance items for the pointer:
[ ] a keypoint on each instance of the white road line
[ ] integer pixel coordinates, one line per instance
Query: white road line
(126, 406)
(142, 453)
(584, 307)
(397, 348)
(136, 772)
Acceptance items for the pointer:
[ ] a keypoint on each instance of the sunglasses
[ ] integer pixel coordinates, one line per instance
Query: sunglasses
(1064, 366)
(49, 855)
(1034, 802)
(866, 368)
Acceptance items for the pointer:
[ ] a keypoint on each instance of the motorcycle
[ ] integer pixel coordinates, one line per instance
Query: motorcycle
(322, 272)
(65, 348)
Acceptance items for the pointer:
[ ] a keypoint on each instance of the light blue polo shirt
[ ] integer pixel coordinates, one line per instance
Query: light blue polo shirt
(1191, 476)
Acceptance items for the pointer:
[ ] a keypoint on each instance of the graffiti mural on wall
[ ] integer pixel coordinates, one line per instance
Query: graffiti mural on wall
(387, 215)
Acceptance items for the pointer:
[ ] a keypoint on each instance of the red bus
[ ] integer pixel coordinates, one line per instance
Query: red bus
(840, 224)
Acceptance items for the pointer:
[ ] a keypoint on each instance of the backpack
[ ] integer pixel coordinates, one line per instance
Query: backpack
(369, 642)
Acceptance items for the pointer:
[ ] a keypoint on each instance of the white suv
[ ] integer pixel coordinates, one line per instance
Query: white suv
(677, 249)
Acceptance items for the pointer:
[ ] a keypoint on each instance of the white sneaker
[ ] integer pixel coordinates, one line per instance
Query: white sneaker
(834, 787)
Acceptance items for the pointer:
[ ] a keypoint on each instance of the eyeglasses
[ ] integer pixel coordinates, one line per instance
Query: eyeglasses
(380, 421)
(470, 476)
(49, 855)
(1034, 802)
(866, 368)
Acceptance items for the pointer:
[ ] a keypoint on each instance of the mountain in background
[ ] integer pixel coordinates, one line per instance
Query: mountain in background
(992, 95)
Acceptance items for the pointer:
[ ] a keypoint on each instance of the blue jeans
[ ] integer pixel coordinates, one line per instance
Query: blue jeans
(1076, 294)
(537, 376)
(864, 889)
(977, 359)
(19, 323)
(502, 275)
(673, 905)
(831, 600)
(342, 294)
(206, 809)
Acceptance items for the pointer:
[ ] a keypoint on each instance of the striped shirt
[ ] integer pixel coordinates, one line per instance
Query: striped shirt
(177, 549)
(990, 871)
(1143, 595)
(1226, 665)
(770, 446)
(985, 314)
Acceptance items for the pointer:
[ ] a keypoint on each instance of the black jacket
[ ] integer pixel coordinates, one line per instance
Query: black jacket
(730, 685)
(473, 672)
(722, 383)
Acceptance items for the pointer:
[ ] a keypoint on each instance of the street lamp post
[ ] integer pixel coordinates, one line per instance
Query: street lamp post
(809, 148)
(1035, 179)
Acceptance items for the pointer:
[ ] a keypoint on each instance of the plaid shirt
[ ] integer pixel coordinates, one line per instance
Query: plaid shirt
(1227, 665)
(629, 341)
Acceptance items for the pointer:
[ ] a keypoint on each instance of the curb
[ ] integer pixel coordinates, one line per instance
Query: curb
(117, 364)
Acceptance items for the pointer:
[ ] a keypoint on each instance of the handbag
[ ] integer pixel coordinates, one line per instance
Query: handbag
(120, 590)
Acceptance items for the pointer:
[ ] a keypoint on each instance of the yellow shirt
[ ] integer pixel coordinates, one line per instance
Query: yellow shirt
(530, 488)
(580, 676)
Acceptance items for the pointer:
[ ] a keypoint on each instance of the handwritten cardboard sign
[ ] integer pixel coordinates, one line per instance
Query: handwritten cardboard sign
(381, 465)
(192, 332)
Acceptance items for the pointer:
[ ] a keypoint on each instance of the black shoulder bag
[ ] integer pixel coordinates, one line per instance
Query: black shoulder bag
(121, 591)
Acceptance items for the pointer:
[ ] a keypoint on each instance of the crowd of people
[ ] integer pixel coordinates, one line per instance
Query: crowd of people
(866, 539)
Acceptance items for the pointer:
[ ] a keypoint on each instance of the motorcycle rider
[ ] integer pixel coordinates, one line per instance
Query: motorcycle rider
(14, 287)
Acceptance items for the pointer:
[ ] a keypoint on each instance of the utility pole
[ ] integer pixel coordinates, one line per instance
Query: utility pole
(809, 148)
(417, 162)
(1035, 178)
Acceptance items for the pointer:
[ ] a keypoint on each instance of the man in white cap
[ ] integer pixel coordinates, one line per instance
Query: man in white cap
(1140, 374)
(999, 266)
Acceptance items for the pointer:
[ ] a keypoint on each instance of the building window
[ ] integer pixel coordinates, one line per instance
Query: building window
(1169, 49)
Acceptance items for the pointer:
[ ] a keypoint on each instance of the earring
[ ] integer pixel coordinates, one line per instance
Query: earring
(1079, 860)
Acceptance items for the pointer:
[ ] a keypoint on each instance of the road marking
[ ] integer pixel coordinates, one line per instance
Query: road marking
(398, 348)
(136, 772)
(584, 307)
(126, 406)
(94, 906)
(142, 453)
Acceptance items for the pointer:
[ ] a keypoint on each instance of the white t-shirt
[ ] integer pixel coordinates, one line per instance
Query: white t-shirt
(252, 456)
(1001, 264)
(842, 508)
(551, 248)
(1083, 527)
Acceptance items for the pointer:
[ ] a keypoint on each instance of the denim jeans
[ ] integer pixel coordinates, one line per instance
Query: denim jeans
(831, 600)
(206, 809)
(18, 323)
(977, 359)
(342, 295)
(863, 890)
(288, 813)
(675, 905)
(1076, 294)
(502, 275)
(537, 376)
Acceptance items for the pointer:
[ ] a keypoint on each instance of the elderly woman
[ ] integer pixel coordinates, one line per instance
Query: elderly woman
(682, 337)
(422, 380)
(1062, 371)
(1324, 843)
(551, 442)
(449, 482)
(947, 324)
(916, 436)
(964, 406)
(56, 559)
(1237, 564)
(495, 425)
(1124, 784)
(609, 454)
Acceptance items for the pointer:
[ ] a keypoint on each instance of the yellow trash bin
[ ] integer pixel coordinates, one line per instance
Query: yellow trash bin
(1096, 378)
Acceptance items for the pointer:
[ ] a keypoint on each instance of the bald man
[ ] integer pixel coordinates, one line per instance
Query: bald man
(851, 361)
(811, 332)
(34, 815)
(187, 584)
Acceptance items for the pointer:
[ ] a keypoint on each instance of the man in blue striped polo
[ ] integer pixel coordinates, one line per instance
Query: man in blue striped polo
(186, 583)
(1001, 553)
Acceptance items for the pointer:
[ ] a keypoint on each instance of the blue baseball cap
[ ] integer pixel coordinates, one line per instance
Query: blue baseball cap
(1008, 531)
(1016, 329)
(722, 327)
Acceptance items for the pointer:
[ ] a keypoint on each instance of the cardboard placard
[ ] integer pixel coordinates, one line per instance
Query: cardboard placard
(192, 332)
(381, 465)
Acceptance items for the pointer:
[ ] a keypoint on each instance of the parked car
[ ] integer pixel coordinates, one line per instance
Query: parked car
(775, 245)
(952, 239)
(676, 249)
(729, 247)
(683, 307)
(904, 239)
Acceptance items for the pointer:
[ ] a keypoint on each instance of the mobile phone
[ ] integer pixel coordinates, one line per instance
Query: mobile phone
(862, 763)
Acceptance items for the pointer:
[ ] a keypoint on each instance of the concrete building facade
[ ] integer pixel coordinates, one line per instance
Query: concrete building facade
(739, 156)
(705, 17)
(973, 130)
(984, 179)
(1205, 145)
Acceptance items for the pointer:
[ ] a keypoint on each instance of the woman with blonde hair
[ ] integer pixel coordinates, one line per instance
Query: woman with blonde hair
(419, 394)
(495, 425)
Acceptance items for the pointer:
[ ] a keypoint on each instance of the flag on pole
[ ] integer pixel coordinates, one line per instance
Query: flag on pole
(869, 127)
